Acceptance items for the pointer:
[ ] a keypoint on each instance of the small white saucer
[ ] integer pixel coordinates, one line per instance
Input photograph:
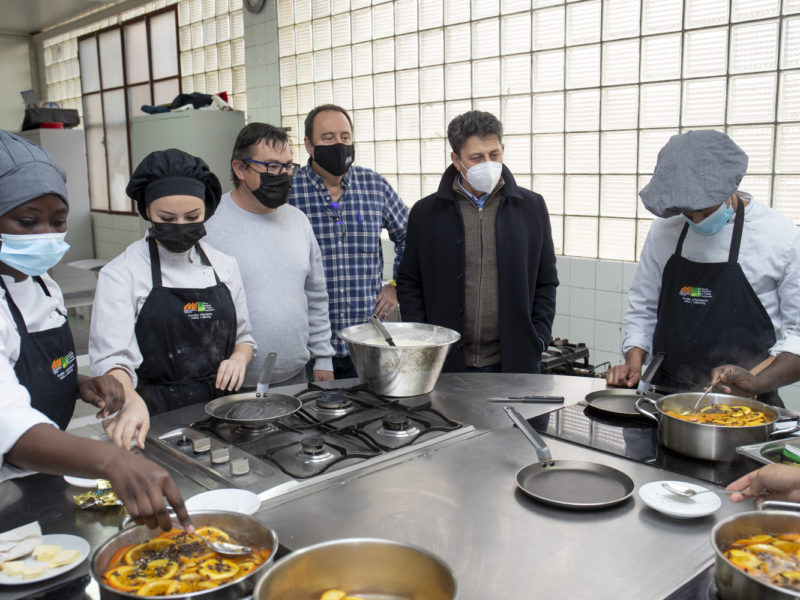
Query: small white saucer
(81, 482)
(661, 499)
(232, 500)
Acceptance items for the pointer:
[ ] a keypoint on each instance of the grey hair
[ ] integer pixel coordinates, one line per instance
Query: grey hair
(474, 122)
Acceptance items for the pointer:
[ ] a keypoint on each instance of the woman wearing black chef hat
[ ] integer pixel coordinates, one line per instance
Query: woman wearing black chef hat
(170, 317)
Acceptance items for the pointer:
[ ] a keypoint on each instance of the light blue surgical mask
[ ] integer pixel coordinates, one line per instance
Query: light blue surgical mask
(713, 222)
(32, 254)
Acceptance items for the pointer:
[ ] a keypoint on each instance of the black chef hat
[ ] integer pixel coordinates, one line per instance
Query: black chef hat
(173, 172)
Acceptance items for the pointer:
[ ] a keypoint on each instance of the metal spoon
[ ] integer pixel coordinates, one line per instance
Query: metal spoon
(711, 387)
(688, 492)
(227, 548)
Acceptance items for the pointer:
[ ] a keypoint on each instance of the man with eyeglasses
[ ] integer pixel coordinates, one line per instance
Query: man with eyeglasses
(348, 206)
(278, 257)
(479, 257)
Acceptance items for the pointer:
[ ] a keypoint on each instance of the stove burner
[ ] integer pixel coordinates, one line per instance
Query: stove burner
(256, 429)
(184, 440)
(333, 402)
(397, 425)
(313, 450)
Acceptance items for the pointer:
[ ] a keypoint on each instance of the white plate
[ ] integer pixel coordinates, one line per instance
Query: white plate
(80, 482)
(67, 542)
(661, 499)
(233, 500)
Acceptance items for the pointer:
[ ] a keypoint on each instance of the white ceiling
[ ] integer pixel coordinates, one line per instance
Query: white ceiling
(28, 17)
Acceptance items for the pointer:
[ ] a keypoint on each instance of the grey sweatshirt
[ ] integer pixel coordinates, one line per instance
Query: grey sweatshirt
(284, 282)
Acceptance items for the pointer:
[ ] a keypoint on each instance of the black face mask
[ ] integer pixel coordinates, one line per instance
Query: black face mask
(335, 158)
(178, 237)
(274, 190)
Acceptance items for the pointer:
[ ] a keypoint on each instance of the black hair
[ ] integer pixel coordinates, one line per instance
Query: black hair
(250, 136)
(309, 124)
(474, 122)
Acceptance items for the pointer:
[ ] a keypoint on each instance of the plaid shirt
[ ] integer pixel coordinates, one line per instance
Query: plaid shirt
(351, 248)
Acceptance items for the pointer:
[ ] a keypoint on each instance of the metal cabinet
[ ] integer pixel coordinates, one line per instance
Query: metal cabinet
(209, 134)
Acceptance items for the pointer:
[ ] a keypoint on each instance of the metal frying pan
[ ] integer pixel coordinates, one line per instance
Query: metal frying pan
(572, 484)
(252, 409)
(621, 402)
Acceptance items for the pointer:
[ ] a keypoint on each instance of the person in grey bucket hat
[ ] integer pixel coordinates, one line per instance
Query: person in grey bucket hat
(718, 280)
(694, 171)
(39, 378)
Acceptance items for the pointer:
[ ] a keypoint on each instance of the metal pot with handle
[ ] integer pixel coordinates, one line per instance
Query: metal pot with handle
(732, 582)
(244, 529)
(703, 440)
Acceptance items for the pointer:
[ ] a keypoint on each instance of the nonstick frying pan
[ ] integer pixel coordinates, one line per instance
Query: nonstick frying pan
(252, 409)
(621, 402)
(572, 484)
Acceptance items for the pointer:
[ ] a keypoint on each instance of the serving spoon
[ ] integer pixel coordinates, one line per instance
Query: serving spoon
(227, 548)
(708, 389)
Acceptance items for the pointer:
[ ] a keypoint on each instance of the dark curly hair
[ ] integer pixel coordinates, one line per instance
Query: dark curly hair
(474, 122)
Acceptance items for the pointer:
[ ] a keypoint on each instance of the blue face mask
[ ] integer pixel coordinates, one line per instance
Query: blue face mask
(32, 254)
(713, 222)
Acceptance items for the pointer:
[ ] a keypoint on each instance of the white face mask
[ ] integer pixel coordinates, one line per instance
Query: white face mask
(484, 176)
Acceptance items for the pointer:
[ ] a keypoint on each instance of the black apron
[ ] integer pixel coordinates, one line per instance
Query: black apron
(708, 315)
(183, 335)
(47, 365)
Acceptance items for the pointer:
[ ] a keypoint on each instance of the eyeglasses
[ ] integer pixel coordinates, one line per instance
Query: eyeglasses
(338, 226)
(276, 168)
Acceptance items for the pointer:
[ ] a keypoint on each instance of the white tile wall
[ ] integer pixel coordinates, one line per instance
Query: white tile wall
(590, 307)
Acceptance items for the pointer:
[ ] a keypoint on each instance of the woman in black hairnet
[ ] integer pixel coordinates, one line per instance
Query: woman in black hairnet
(170, 320)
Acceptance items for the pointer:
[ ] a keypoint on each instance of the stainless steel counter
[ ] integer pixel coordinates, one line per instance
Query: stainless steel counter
(459, 501)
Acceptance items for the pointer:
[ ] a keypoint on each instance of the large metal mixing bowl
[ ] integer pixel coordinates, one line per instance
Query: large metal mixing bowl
(373, 568)
(411, 367)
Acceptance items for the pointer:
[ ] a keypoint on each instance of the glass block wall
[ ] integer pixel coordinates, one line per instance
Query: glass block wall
(588, 92)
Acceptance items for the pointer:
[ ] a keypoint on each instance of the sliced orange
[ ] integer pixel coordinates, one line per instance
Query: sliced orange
(161, 568)
(218, 569)
(212, 533)
(743, 559)
(126, 578)
(147, 550)
(245, 567)
(159, 587)
(207, 585)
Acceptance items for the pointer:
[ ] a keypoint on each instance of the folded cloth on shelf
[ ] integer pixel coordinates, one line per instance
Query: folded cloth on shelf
(20, 541)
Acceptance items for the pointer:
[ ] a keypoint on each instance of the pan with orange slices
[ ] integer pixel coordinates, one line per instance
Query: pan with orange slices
(142, 562)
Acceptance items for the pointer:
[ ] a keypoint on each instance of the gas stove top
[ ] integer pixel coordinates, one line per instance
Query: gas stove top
(335, 432)
(636, 439)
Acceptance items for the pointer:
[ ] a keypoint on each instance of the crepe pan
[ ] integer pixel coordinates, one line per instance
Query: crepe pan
(621, 402)
(572, 484)
(254, 409)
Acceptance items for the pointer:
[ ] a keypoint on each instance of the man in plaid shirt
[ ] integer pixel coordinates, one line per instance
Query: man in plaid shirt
(348, 206)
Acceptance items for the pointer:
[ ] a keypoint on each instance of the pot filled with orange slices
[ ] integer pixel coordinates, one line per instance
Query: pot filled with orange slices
(143, 562)
(758, 554)
(713, 429)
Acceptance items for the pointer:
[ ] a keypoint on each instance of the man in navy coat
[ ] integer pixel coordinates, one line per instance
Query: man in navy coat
(479, 257)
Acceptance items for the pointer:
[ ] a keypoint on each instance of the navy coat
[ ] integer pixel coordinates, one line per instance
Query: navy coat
(430, 279)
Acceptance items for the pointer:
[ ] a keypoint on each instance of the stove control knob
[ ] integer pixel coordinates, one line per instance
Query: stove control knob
(240, 466)
(200, 445)
(220, 456)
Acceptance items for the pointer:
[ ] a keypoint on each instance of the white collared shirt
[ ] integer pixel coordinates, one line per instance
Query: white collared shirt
(769, 257)
(125, 283)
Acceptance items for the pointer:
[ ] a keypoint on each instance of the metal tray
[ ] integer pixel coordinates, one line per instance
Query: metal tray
(769, 452)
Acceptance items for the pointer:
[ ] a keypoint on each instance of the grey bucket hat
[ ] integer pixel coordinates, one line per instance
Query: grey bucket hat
(695, 170)
(27, 171)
